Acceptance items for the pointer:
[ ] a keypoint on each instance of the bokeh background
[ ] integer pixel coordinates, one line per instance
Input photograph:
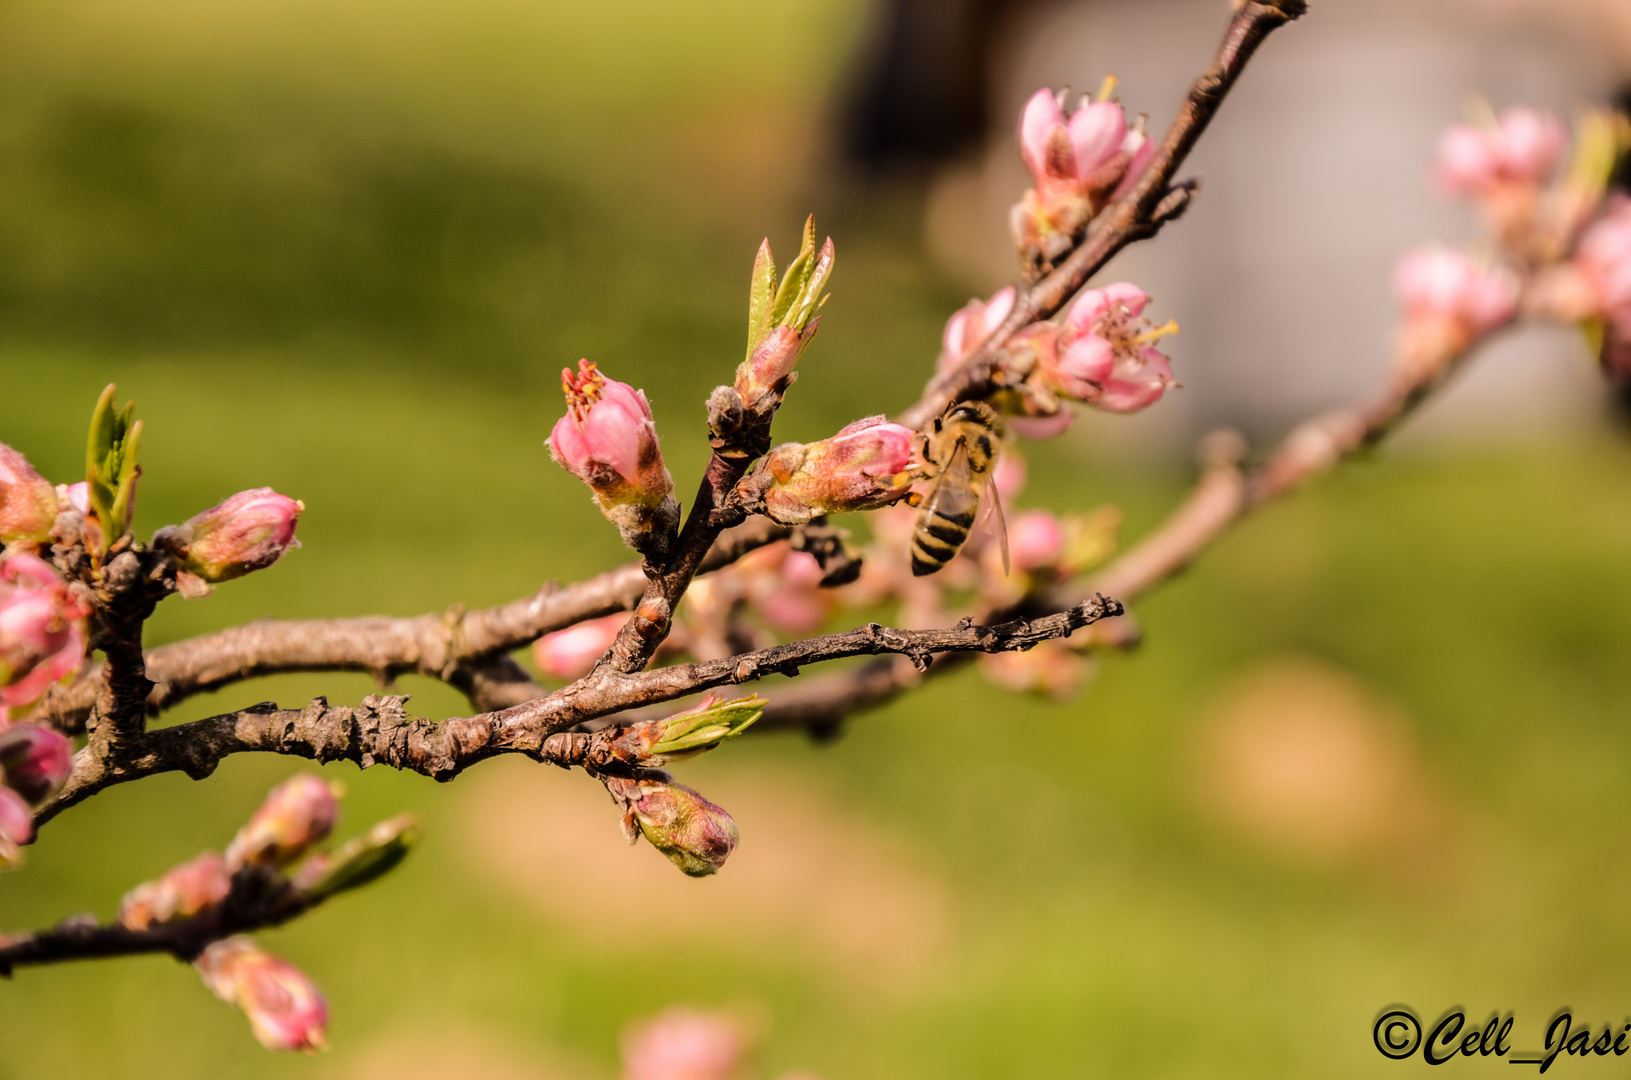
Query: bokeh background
(1374, 749)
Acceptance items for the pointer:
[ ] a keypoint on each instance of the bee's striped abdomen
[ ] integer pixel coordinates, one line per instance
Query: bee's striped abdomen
(945, 519)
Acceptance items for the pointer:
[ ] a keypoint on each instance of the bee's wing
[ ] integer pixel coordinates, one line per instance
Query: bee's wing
(999, 524)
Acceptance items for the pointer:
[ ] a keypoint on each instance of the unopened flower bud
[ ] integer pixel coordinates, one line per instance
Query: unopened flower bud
(608, 440)
(28, 502)
(297, 813)
(781, 317)
(16, 827)
(42, 630)
(182, 892)
(34, 761)
(968, 328)
(697, 729)
(359, 860)
(249, 531)
(111, 470)
(285, 1009)
(684, 1044)
(571, 653)
(1104, 353)
(693, 833)
(863, 467)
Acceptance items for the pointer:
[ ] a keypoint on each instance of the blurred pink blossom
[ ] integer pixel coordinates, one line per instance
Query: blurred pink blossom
(684, 1044)
(16, 826)
(968, 328)
(571, 653)
(285, 1009)
(42, 630)
(1036, 540)
(296, 814)
(1524, 146)
(34, 761)
(181, 892)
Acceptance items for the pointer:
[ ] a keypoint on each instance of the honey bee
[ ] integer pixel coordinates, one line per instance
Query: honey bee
(959, 452)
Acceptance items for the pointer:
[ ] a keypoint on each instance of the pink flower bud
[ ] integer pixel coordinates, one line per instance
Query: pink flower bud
(864, 466)
(1443, 283)
(967, 330)
(1042, 427)
(684, 1044)
(1140, 150)
(693, 833)
(571, 653)
(297, 813)
(1036, 540)
(181, 893)
(77, 496)
(1523, 147)
(249, 531)
(28, 502)
(34, 761)
(42, 630)
(771, 362)
(16, 827)
(1104, 353)
(284, 1008)
(608, 440)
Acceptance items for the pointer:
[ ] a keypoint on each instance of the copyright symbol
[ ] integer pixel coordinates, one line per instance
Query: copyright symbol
(1397, 1033)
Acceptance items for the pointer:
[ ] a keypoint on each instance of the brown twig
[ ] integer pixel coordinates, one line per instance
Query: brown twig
(380, 732)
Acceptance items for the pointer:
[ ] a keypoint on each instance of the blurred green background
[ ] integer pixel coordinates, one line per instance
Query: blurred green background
(1374, 748)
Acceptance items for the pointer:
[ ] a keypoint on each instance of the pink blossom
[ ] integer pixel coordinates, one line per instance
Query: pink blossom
(1104, 353)
(571, 653)
(1036, 540)
(16, 826)
(865, 466)
(1079, 164)
(1444, 283)
(1523, 147)
(1050, 669)
(683, 1044)
(42, 630)
(796, 603)
(248, 531)
(1042, 427)
(1604, 257)
(76, 495)
(968, 328)
(182, 892)
(285, 1010)
(608, 440)
(34, 761)
(28, 502)
(297, 813)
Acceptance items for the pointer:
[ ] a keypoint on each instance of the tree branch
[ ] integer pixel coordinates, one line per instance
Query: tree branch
(380, 732)
(1138, 215)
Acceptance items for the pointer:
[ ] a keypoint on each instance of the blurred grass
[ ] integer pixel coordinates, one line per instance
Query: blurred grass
(345, 250)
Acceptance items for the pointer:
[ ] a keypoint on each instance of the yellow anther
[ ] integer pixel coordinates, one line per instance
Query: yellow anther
(1107, 87)
(1157, 333)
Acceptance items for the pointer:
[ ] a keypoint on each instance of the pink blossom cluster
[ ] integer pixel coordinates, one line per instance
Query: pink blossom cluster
(1079, 164)
(1522, 146)
(1449, 301)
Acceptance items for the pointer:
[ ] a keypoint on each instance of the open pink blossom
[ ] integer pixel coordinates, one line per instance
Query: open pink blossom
(1524, 146)
(684, 1044)
(34, 761)
(182, 892)
(608, 440)
(1079, 164)
(28, 502)
(42, 630)
(297, 813)
(1105, 354)
(1442, 282)
(285, 1009)
(968, 328)
(571, 653)
(863, 467)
